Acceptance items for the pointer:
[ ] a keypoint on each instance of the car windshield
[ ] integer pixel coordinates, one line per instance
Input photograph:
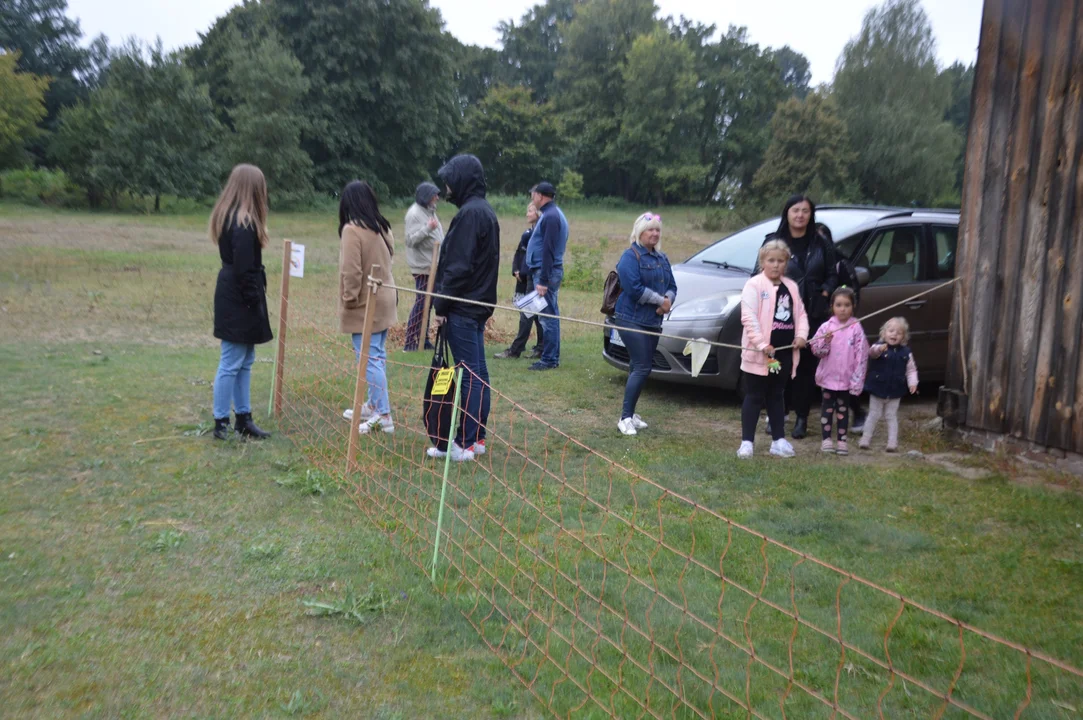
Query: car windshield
(740, 250)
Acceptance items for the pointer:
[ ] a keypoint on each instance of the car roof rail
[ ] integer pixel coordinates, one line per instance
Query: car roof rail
(920, 211)
(894, 208)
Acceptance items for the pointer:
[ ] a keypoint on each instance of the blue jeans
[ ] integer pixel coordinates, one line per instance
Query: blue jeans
(640, 359)
(375, 371)
(234, 379)
(551, 326)
(466, 336)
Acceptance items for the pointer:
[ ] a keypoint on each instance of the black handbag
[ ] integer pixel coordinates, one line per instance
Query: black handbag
(439, 394)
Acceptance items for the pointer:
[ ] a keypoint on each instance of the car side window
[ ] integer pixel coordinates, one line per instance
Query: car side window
(893, 257)
(945, 239)
(847, 247)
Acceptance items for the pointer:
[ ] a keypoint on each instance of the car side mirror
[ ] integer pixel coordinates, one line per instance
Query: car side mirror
(863, 276)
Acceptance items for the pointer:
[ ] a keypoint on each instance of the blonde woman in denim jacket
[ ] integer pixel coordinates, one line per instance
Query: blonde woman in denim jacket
(648, 291)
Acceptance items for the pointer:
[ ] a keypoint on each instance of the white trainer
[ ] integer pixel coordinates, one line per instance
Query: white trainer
(627, 426)
(366, 413)
(745, 451)
(457, 453)
(638, 422)
(782, 448)
(381, 422)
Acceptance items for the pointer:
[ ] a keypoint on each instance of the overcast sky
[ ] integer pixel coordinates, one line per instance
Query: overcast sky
(819, 30)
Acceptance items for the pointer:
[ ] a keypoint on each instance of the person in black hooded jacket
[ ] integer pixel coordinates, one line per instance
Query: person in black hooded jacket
(813, 266)
(468, 269)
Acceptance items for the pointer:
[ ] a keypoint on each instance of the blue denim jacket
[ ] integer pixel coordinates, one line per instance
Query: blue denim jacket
(646, 279)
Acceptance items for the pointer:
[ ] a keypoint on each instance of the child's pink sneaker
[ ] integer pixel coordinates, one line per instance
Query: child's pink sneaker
(827, 447)
(841, 448)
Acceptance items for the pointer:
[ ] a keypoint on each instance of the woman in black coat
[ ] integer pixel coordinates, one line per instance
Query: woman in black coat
(238, 227)
(813, 266)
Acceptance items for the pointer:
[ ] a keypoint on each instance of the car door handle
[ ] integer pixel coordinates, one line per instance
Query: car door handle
(915, 304)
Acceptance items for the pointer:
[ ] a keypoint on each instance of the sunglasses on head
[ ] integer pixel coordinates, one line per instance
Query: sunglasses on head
(652, 216)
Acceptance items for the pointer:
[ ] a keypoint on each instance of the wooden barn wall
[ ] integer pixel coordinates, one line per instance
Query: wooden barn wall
(1017, 324)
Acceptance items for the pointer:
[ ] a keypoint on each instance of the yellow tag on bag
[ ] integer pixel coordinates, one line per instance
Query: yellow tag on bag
(442, 383)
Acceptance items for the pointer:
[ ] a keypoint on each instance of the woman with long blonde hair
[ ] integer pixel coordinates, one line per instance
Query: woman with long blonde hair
(238, 226)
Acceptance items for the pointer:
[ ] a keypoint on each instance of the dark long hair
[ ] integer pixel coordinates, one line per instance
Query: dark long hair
(783, 232)
(359, 205)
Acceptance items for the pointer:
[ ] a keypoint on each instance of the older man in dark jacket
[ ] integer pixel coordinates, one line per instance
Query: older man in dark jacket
(468, 269)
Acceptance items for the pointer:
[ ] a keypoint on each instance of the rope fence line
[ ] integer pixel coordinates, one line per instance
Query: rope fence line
(594, 323)
(604, 591)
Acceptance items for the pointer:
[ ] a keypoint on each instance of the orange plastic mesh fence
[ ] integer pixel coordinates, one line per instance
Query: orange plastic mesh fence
(607, 594)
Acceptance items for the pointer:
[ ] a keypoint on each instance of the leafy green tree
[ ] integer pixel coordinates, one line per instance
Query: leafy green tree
(382, 102)
(961, 78)
(894, 102)
(79, 136)
(513, 137)
(268, 86)
(739, 88)
(248, 22)
(150, 129)
(809, 152)
(48, 43)
(22, 106)
(531, 50)
(658, 116)
(590, 84)
(477, 71)
(794, 69)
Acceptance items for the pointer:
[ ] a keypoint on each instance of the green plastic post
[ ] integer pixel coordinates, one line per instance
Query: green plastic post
(447, 470)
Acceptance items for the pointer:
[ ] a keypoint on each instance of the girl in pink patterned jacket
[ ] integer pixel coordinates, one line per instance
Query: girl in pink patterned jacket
(844, 354)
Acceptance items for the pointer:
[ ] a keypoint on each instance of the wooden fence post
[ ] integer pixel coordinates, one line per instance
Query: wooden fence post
(428, 298)
(361, 385)
(283, 310)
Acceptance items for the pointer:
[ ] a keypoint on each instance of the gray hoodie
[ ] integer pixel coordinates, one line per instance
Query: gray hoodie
(420, 240)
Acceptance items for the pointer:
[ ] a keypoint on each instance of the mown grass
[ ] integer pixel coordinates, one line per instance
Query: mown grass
(148, 571)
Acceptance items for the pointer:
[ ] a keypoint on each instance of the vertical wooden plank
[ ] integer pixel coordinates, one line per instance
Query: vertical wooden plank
(283, 311)
(1008, 139)
(1050, 418)
(969, 247)
(1036, 272)
(1068, 402)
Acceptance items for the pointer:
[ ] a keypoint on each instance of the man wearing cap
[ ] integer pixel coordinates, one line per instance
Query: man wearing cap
(545, 261)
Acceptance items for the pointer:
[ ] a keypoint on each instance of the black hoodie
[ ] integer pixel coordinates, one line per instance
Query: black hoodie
(470, 253)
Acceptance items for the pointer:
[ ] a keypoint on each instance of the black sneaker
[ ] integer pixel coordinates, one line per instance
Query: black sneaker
(542, 366)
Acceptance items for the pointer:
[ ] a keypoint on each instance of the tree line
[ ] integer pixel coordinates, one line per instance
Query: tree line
(603, 97)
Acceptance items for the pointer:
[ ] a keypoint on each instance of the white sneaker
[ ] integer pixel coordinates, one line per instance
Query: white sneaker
(638, 422)
(478, 448)
(383, 422)
(366, 413)
(627, 426)
(457, 453)
(782, 448)
(745, 451)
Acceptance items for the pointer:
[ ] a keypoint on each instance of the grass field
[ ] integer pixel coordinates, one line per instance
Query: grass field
(149, 572)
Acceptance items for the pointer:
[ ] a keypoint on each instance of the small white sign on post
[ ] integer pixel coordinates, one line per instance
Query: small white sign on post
(297, 261)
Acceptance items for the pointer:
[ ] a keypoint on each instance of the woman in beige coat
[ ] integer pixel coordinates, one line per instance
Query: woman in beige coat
(366, 241)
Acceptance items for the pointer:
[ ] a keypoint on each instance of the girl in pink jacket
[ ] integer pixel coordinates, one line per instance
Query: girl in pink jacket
(843, 351)
(773, 316)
